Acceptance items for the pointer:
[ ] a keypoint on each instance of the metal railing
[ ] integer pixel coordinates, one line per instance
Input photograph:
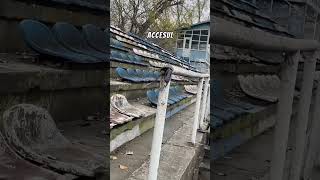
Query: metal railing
(231, 34)
(199, 114)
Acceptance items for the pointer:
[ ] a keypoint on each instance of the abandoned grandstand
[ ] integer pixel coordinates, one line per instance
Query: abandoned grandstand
(52, 101)
(155, 93)
(264, 115)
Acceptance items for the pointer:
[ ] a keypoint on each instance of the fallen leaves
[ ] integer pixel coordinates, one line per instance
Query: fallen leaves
(129, 153)
(113, 157)
(122, 167)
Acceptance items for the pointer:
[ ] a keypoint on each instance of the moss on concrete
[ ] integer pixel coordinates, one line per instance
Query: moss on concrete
(249, 121)
(144, 123)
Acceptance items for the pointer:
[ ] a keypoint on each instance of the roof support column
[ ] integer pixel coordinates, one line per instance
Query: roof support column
(284, 111)
(314, 137)
(303, 117)
(197, 112)
(207, 113)
(204, 103)
(165, 82)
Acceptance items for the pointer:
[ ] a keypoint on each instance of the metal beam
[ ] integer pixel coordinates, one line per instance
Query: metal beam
(284, 110)
(183, 72)
(158, 128)
(204, 103)
(303, 116)
(197, 112)
(314, 137)
(232, 34)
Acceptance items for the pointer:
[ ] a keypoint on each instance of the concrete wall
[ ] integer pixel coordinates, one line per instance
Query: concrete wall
(68, 95)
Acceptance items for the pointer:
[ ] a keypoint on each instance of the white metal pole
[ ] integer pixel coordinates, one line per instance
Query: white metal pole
(208, 105)
(314, 137)
(284, 110)
(197, 112)
(303, 117)
(204, 103)
(158, 129)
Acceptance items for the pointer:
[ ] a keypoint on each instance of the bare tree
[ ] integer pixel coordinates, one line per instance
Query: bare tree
(201, 4)
(141, 16)
(138, 16)
(156, 12)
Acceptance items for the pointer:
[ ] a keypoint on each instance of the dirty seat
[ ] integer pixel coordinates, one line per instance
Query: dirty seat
(10, 164)
(40, 38)
(32, 133)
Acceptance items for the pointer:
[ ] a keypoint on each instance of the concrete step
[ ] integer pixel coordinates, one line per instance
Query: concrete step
(178, 157)
(124, 133)
(252, 159)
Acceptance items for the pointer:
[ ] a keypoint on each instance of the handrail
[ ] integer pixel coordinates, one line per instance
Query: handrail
(183, 72)
(165, 81)
(232, 34)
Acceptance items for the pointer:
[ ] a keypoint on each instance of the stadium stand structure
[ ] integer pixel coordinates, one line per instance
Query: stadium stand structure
(246, 82)
(135, 73)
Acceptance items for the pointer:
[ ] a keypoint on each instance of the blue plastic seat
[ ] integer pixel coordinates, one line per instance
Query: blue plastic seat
(215, 122)
(141, 75)
(116, 54)
(173, 96)
(181, 92)
(137, 58)
(223, 115)
(134, 75)
(230, 108)
(152, 97)
(40, 38)
(173, 91)
(96, 38)
(157, 75)
(220, 103)
(71, 38)
(148, 75)
(246, 106)
(123, 73)
(115, 43)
